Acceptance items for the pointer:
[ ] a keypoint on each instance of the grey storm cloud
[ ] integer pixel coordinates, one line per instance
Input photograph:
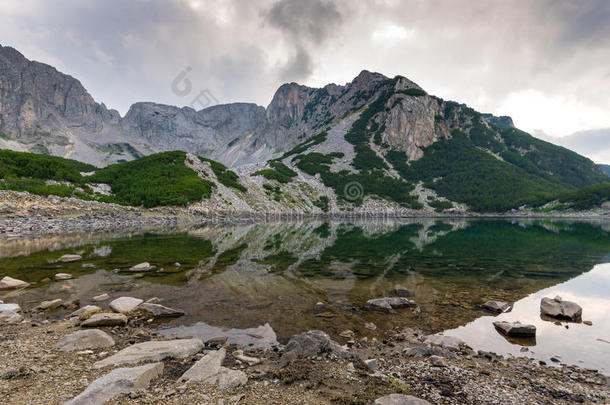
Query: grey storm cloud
(544, 62)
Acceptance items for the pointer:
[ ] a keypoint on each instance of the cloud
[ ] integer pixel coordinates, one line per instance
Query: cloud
(546, 63)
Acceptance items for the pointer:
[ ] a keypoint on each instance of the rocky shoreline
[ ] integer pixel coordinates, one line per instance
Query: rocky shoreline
(50, 359)
(24, 215)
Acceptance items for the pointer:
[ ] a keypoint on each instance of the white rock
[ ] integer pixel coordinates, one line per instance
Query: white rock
(105, 319)
(209, 370)
(70, 258)
(52, 304)
(153, 351)
(447, 342)
(142, 267)
(252, 361)
(85, 339)
(9, 283)
(10, 308)
(101, 297)
(125, 304)
(63, 276)
(119, 381)
(9, 313)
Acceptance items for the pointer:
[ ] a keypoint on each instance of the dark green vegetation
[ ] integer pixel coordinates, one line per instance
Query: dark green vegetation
(278, 171)
(303, 146)
(160, 179)
(22, 171)
(225, 176)
(440, 205)
(322, 203)
(585, 198)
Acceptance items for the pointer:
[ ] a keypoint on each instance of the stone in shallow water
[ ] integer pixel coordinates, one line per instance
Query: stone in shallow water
(401, 291)
(85, 339)
(52, 304)
(9, 283)
(262, 337)
(119, 381)
(125, 304)
(496, 306)
(142, 267)
(105, 319)
(400, 399)
(63, 276)
(558, 308)
(70, 258)
(101, 297)
(515, 329)
(388, 304)
(153, 351)
(84, 309)
(159, 311)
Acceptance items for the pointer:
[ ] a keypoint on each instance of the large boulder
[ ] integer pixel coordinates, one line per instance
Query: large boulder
(117, 382)
(9, 283)
(125, 305)
(515, 329)
(310, 344)
(85, 339)
(558, 308)
(9, 313)
(105, 319)
(400, 399)
(153, 351)
(388, 304)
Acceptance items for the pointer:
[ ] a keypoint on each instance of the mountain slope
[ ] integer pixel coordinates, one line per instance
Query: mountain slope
(605, 169)
(373, 144)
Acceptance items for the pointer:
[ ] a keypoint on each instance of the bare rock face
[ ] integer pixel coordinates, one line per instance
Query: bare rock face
(153, 351)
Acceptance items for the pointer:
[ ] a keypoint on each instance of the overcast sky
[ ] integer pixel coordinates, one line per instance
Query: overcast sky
(546, 63)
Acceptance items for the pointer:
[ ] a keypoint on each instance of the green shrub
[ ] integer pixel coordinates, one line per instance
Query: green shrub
(279, 172)
(225, 176)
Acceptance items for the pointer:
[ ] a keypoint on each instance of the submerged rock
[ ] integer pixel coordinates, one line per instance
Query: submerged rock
(142, 267)
(400, 399)
(119, 381)
(105, 319)
(85, 339)
(63, 276)
(515, 329)
(401, 291)
(125, 305)
(86, 308)
(497, 307)
(446, 342)
(52, 304)
(70, 258)
(153, 351)
(388, 304)
(558, 308)
(159, 311)
(101, 297)
(9, 283)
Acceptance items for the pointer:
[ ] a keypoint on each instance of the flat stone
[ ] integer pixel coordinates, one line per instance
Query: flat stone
(125, 305)
(446, 342)
(388, 304)
(400, 399)
(558, 308)
(159, 311)
(515, 329)
(372, 364)
(84, 309)
(10, 308)
(70, 258)
(251, 361)
(52, 304)
(85, 339)
(206, 367)
(401, 291)
(370, 326)
(142, 267)
(101, 297)
(262, 337)
(9, 283)
(497, 307)
(228, 378)
(153, 351)
(63, 276)
(348, 334)
(105, 319)
(117, 382)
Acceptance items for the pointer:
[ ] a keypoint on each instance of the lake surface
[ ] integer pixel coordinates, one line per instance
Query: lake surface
(244, 276)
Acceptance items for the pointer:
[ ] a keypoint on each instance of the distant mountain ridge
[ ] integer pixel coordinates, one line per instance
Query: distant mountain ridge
(310, 146)
(605, 169)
